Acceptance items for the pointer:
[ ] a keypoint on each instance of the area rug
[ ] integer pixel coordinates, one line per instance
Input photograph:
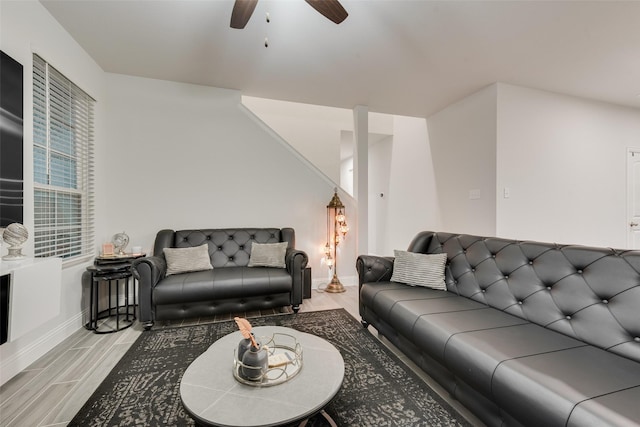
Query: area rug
(143, 389)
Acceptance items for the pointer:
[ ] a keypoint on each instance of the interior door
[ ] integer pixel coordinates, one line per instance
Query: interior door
(633, 198)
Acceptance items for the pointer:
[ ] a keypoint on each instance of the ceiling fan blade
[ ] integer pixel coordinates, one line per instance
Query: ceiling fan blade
(331, 9)
(242, 10)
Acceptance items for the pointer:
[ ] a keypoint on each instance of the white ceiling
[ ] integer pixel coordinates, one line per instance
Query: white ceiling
(394, 56)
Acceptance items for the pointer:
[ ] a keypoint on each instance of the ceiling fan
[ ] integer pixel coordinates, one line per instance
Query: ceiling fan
(331, 9)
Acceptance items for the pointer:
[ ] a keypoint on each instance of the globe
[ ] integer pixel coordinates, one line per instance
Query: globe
(120, 242)
(15, 235)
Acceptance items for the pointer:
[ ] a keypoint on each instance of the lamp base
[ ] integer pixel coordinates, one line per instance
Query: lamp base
(335, 286)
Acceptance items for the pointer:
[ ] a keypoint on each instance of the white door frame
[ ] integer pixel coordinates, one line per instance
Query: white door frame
(629, 215)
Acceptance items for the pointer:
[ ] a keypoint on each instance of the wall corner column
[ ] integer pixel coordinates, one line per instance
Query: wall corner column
(361, 175)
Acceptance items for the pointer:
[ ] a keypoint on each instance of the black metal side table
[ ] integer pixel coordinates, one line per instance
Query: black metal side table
(113, 272)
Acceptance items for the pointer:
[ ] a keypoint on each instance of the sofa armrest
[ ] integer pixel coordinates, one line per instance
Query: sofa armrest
(296, 261)
(373, 268)
(148, 271)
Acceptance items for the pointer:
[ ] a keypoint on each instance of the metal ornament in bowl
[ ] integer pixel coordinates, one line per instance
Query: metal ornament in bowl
(15, 235)
(284, 362)
(120, 242)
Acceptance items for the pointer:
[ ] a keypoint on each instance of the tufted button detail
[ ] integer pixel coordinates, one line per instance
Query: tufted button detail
(230, 237)
(231, 258)
(473, 269)
(273, 235)
(455, 281)
(530, 262)
(484, 291)
(184, 239)
(208, 237)
(605, 301)
(637, 339)
(568, 317)
(252, 237)
(241, 246)
(506, 277)
(519, 302)
(219, 248)
(579, 271)
(548, 288)
(493, 255)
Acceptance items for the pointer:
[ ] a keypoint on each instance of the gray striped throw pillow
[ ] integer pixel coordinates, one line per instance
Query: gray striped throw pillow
(419, 269)
(183, 260)
(268, 254)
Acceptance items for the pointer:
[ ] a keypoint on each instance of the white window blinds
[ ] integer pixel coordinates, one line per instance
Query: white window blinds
(62, 165)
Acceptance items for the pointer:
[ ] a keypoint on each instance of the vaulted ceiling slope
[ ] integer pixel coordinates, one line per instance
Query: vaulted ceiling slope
(401, 57)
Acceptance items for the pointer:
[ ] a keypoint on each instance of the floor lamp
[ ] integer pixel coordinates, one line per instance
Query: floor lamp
(336, 232)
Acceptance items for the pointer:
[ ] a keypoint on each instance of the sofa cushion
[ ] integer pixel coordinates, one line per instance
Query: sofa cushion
(432, 332)
(404, 314)
(544, 389)
(476, 355)
(182, 260)
(381, 296)
(416, 269)
(268, 255)
(617, 409)
(222, 283)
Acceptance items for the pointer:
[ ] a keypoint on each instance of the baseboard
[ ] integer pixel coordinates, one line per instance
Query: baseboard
(22, 359)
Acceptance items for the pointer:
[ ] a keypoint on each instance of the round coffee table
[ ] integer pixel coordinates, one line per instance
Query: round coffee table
(212, 396)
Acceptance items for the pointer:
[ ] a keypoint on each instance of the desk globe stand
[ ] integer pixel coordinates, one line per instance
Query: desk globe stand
(15, 235)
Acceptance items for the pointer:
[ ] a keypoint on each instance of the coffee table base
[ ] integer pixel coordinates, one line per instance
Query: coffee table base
(326, 417)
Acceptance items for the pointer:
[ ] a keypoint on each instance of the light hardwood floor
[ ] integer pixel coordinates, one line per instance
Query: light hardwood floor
(52, 390)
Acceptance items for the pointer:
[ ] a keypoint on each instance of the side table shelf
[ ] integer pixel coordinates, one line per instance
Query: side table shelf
(116, 275)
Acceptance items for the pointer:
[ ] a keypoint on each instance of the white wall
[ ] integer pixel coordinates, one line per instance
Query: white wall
(187, 156)
(463, 146)
(313, 130)
(27, 28)
(379, 177)
(564, 161)
(347, 165)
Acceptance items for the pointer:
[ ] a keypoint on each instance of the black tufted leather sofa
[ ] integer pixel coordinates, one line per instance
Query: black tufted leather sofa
(230, 287)
(528, 334)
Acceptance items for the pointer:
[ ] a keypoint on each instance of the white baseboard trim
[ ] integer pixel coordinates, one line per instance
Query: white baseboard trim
(21, 360)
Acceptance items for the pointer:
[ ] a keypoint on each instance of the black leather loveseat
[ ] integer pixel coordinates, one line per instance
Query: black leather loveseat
(526, 333)
(230, 286)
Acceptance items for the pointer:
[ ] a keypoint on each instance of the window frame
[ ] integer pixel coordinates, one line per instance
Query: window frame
(63, 179)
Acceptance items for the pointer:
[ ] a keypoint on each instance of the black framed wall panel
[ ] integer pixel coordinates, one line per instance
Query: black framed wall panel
(11, 141)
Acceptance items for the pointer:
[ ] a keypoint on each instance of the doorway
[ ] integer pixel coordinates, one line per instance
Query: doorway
(633, 198)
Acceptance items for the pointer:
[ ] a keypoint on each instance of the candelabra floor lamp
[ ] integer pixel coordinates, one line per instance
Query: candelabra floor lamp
(336, 232)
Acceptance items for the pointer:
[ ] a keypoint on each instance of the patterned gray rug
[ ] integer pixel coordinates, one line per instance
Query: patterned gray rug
(378, 389)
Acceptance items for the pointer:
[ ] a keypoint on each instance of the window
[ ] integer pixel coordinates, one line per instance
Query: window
(62, 165)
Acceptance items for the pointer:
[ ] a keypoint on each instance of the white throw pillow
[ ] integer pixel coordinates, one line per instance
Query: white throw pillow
(419, 269)
(268, 255)
(183, 260)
